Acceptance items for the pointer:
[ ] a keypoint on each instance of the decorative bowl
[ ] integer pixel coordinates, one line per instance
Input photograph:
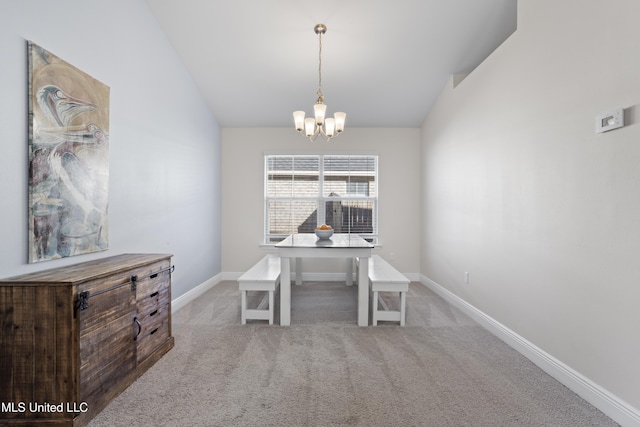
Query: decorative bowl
(324, 234)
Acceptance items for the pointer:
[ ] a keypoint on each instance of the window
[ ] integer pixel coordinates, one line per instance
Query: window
(305, 191)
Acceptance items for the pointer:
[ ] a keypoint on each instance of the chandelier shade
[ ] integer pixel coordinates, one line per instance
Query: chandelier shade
(319, 124)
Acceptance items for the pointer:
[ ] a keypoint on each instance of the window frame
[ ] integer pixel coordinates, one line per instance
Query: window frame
(320, 199)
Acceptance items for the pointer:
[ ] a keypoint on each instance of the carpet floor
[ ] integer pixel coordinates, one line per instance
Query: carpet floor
(441, 369)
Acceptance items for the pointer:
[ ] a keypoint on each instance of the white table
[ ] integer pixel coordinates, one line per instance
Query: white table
(307, 245)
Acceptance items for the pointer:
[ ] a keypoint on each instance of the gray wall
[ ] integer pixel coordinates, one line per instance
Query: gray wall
(165, 143)
(519, 190)
(398, 153)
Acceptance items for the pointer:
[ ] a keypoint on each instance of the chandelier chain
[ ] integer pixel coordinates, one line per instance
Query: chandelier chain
(320, 66)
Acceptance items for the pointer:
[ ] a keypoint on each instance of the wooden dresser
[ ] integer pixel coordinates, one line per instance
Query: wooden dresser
(73, 338)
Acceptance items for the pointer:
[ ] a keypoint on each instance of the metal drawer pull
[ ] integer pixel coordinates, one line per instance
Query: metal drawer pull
(153, 313)
(154, 331)
(135, 319)
(155, 294)
(154, 274)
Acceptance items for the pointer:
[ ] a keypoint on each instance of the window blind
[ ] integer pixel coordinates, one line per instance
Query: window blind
(303, 192)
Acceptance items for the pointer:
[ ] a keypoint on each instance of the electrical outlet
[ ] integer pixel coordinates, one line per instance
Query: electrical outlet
(466, 277)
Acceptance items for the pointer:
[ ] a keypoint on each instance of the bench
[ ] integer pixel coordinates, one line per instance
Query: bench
(264, 276)
(383, 277)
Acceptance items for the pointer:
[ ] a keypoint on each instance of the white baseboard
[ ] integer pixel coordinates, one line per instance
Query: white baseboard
(231, 275)
(615, 408)
(320, 277)
(194, 293)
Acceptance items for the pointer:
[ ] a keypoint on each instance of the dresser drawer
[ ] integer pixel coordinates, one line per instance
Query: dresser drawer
(154, 330)
(152, 302)
(152, 279)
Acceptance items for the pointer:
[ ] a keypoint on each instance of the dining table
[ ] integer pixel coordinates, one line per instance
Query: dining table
(339, 245)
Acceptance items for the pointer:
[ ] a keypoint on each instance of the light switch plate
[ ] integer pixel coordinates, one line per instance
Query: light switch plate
(610, 121)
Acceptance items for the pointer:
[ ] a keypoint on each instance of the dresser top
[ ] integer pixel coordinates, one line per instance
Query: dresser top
(83, 271)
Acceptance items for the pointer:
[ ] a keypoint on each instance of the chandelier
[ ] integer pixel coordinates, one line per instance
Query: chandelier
(311, 127)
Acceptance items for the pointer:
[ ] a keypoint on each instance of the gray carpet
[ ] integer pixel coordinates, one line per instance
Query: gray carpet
(441, 369)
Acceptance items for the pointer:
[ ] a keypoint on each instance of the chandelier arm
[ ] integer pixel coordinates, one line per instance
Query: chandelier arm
(319, 130)
(325, 136)
(313, 137)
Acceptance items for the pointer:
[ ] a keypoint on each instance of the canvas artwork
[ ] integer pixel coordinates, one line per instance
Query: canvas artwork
(68, 159)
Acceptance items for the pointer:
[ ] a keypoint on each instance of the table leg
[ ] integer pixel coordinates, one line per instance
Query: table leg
(285, 291)
(363, 292)
(298, 271)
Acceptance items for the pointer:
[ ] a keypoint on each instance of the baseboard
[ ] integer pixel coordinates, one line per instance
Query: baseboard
(320, 277)
(194, 293)
(615, 408)
(233, 276)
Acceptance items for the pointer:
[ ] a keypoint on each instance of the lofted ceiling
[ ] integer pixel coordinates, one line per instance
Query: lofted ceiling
(384, 62)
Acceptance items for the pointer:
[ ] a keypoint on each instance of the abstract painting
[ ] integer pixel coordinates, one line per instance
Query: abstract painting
(68, 159)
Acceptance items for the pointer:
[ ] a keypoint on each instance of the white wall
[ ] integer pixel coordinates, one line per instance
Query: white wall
(243, 189)
(164, 141)
(520, 192)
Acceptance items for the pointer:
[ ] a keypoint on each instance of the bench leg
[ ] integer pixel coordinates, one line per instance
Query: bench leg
(243, 308)
(374, 308)
(403, 303)
(271, 310)
(285, 291)
(381, 312)
(363, 292)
